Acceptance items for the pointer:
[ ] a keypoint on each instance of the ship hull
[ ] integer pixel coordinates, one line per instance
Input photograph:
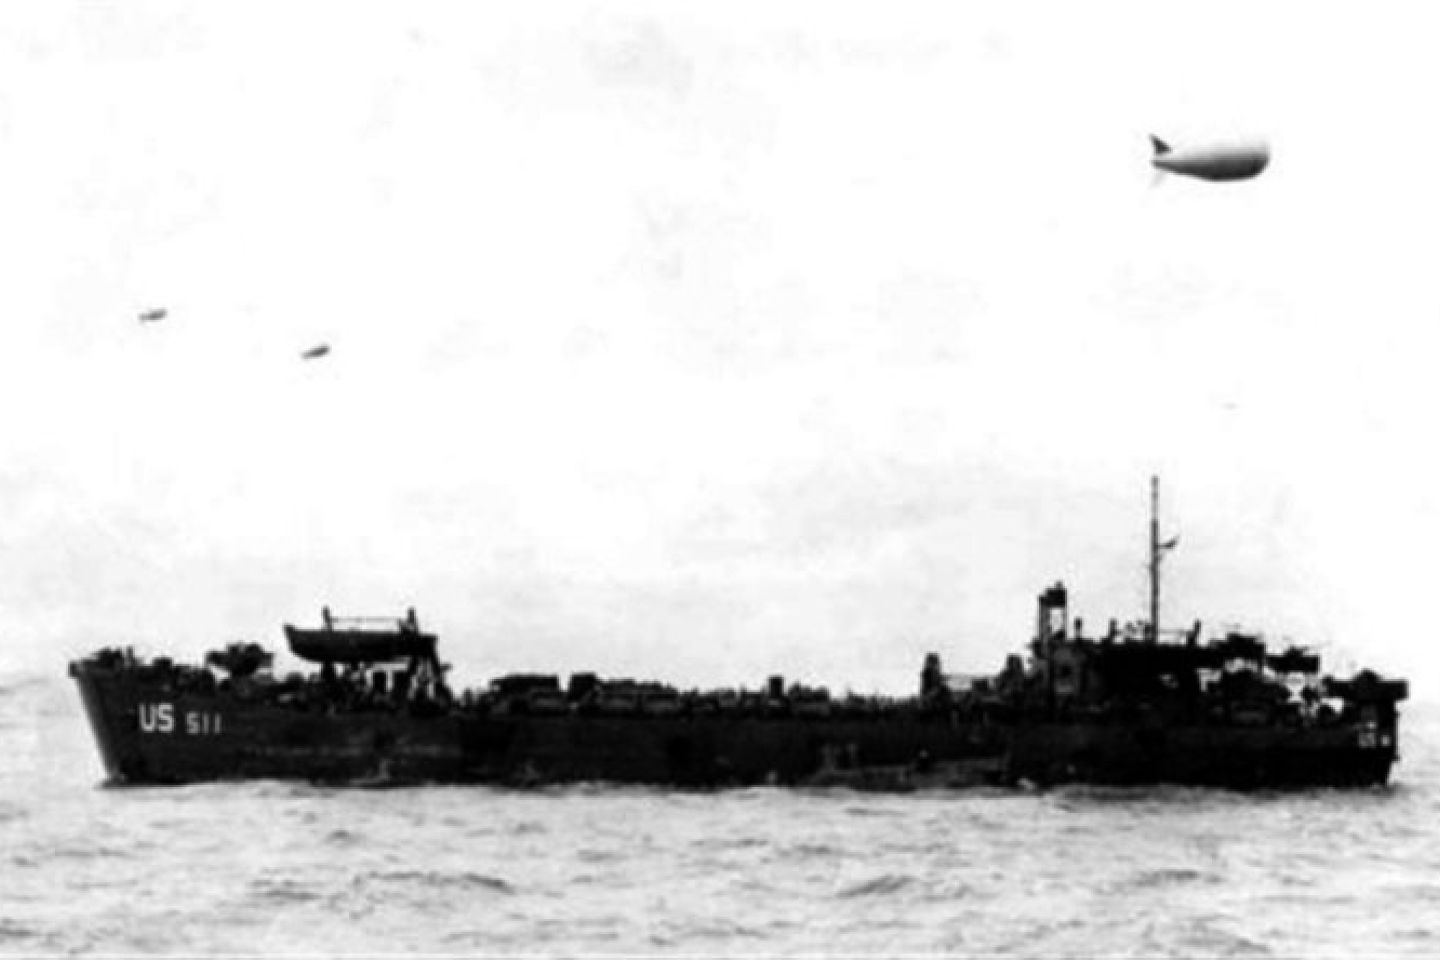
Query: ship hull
(148, 734)
(1211, 755)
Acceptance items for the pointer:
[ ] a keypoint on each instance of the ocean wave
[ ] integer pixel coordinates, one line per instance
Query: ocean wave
(90, 851)
(1208, 937)
(17, 931)
(540, 938)
(1081, 796)
(711, 929)
(441, 879)
(812, 849)
(1424, 891)
(591, 855)
(731, 843)
(882, 886)
(1170, 877)
(15, 685)
(1421, 934)
(284, 890)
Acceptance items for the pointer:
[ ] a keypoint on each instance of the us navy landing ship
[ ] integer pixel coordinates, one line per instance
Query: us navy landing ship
(1129, 706)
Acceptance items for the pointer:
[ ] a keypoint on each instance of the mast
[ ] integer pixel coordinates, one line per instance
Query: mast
(1154, 629)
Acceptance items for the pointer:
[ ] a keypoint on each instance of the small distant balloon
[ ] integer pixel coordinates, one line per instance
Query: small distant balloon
(153, 316)
(1238, 160)
(316, 352)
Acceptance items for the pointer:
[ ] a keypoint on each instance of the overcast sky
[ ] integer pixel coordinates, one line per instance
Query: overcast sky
(701, 341)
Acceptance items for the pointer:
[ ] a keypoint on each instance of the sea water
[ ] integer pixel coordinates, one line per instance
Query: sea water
(277, 869)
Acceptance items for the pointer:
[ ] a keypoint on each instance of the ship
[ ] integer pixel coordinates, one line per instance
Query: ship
(1130, 706)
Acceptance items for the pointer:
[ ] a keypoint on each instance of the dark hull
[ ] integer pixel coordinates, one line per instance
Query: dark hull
(1233, 757)
(147, 734)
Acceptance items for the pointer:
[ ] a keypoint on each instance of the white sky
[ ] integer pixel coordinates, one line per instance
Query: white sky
(703, 341)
